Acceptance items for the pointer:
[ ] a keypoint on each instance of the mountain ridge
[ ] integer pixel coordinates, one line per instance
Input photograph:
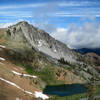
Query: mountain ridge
(42, 41)
(88, 50)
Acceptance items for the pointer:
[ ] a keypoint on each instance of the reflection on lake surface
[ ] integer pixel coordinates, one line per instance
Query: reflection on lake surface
(65, 90)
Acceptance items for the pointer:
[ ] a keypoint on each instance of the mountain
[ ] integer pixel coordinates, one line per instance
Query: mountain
(93, 55)
(30, 60)
(25, 72)
(23, 37)
(41, 41)
(86, 50)
(93, 58)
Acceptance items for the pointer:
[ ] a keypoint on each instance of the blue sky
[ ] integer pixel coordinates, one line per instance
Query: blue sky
(52, 14)
(59, 12)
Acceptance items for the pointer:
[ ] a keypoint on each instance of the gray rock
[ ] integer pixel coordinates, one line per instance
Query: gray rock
(41, 41)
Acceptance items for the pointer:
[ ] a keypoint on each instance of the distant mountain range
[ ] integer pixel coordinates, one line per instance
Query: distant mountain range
(86, 50)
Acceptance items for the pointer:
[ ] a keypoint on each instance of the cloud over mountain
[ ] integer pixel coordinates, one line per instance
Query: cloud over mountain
(86, 36)
(5, 25)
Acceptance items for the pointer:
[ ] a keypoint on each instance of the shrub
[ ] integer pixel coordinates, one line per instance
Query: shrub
(62, 61)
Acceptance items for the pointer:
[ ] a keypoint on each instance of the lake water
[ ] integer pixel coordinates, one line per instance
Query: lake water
(65, 90)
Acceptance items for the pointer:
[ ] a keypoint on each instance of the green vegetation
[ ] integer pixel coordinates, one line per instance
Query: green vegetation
(62, 61)
(97, 90)
(31, 63)
(91, 91)
(1, 36)
(73, 97)
(46, 74)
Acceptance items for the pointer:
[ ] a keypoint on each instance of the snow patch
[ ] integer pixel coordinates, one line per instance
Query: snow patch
(40, 43)
(1, 46)
(13, 84)
(18, 98)
(37, 94)
(16, 73)
(55, 50)
(25, 75)
(2, 58)
(28, 92)
(41, 95)
(29, 75)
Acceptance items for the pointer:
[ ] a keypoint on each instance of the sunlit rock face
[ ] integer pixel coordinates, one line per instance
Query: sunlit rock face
(41, 41)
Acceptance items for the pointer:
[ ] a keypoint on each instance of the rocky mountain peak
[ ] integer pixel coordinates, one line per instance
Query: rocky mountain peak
(41, 41)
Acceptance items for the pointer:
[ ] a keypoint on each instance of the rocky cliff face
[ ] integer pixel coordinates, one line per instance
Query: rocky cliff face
(41, 41)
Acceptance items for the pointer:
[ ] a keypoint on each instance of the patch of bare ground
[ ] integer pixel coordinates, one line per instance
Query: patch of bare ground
(9, 92)
(68, 76)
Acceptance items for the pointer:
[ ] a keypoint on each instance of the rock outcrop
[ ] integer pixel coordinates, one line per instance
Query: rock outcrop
(41, 41)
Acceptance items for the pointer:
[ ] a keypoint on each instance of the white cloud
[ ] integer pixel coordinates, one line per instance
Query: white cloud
(5, 25)
(22, 6)
(77, 14)
(16, 14)
(86, 36)
(79, 3)
(43, 16)
(60, 34)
